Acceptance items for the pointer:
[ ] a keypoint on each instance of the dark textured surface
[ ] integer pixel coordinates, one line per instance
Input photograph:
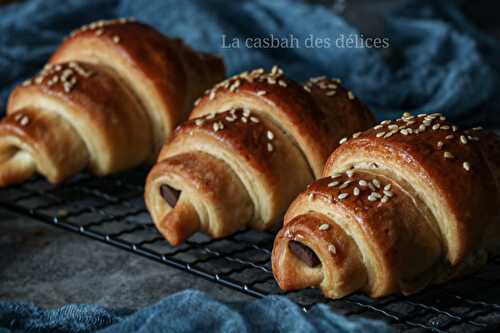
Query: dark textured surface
(52, 267)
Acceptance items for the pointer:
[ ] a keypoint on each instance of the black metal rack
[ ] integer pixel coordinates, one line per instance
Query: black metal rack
(111, 210)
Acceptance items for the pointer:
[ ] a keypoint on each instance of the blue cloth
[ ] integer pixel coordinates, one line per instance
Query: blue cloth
(437, 61)
(188, 311)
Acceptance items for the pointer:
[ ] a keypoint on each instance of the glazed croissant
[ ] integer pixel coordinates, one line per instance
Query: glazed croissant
(408, 203)
(252, 143)
(107, 99)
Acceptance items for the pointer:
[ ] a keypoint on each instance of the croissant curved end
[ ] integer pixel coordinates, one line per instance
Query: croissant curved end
(15, 167)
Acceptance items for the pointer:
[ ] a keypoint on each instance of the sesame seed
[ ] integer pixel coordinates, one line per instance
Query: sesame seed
(330, 93)
(440, 145)
(335, 175)
(376, 195)
(26, 83)
(466, 166)
(393, 126)
(385, 122)
(116, 39)
(254, 119)
(447, 154)
(282, 83)
(363, 182)
(310, 197)
(407, 114)
(435, 127)
(387, 187)
(371, 198)
(356, 135)
(199, 122)
(449, 137)
(371, 187)
(379, 134)
(215, 127)
(270, 147)
(246, 112)
(24, 120)
(345, 184)
(404, 131)
(378, 127)
(388, 194)
(210, 116)
(376, 183)
(350, 95)
(342, 196)
(343, 140)
(463, 139)
(384, 199)
(332, 249)
(445, 127)
(307, 89)
(477, 128)
(261, 93)
(244, 119)
(355, 191)
(269, 135)
(454, 128)
(99, 32)
(349, 173)
(324, 227)
(333, 184)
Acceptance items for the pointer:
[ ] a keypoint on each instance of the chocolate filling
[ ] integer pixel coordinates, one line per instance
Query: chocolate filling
(304, 253)
(170, 194)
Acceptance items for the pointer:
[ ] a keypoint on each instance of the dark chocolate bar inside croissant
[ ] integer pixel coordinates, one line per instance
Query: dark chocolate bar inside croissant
(252, 143)
(405, 204)
(107, 100)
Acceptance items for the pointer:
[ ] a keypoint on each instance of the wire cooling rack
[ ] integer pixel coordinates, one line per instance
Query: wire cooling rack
(111, 210)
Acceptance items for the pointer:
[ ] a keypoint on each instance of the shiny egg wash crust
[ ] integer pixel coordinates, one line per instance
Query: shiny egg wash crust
(266, 130)
(359, 207)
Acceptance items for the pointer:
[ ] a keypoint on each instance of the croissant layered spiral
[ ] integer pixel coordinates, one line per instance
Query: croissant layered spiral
(107, 99)
(405, 204)
(252, 143)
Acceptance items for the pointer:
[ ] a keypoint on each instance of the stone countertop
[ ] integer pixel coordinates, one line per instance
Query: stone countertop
(52, 267)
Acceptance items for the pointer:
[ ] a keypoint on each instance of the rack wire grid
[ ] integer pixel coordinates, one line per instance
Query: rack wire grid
(111, 210)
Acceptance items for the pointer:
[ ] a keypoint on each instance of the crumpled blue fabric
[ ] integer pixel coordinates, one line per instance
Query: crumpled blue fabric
(437, 60)
(188, 311)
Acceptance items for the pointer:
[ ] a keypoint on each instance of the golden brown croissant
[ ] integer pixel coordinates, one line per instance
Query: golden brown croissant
(252, 143)
(408, 203)
(106, 100)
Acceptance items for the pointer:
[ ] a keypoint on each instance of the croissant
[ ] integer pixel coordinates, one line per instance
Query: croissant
(107, 100)
(408, 203)
(252, 143)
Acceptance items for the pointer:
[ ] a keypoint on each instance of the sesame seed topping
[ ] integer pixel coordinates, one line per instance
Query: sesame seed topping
(388, 194)
(324, 227)
(379, 134)
(215, 126)
(376, 183)
(333, 184)
(447, 154)
(440, 145)
(254, 119)
(332, 249)
(310, 197)
(463, 139)
(342, 196)
(116, 39)
(362, 182)
(356, 135)
(378, 127)
(387, 187)
(270, 147)
(261, 93)
(384, 199)
(199, 122)
(269, 135)
(449, 137)
(371, 197)
(349, 173)
(355, 191)
(345, 184)
(335, 175)
(350, 95)
(477, 128)
(435, 127)
(343, 140)
(466, 166)
(330, 93)
(24, 120)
